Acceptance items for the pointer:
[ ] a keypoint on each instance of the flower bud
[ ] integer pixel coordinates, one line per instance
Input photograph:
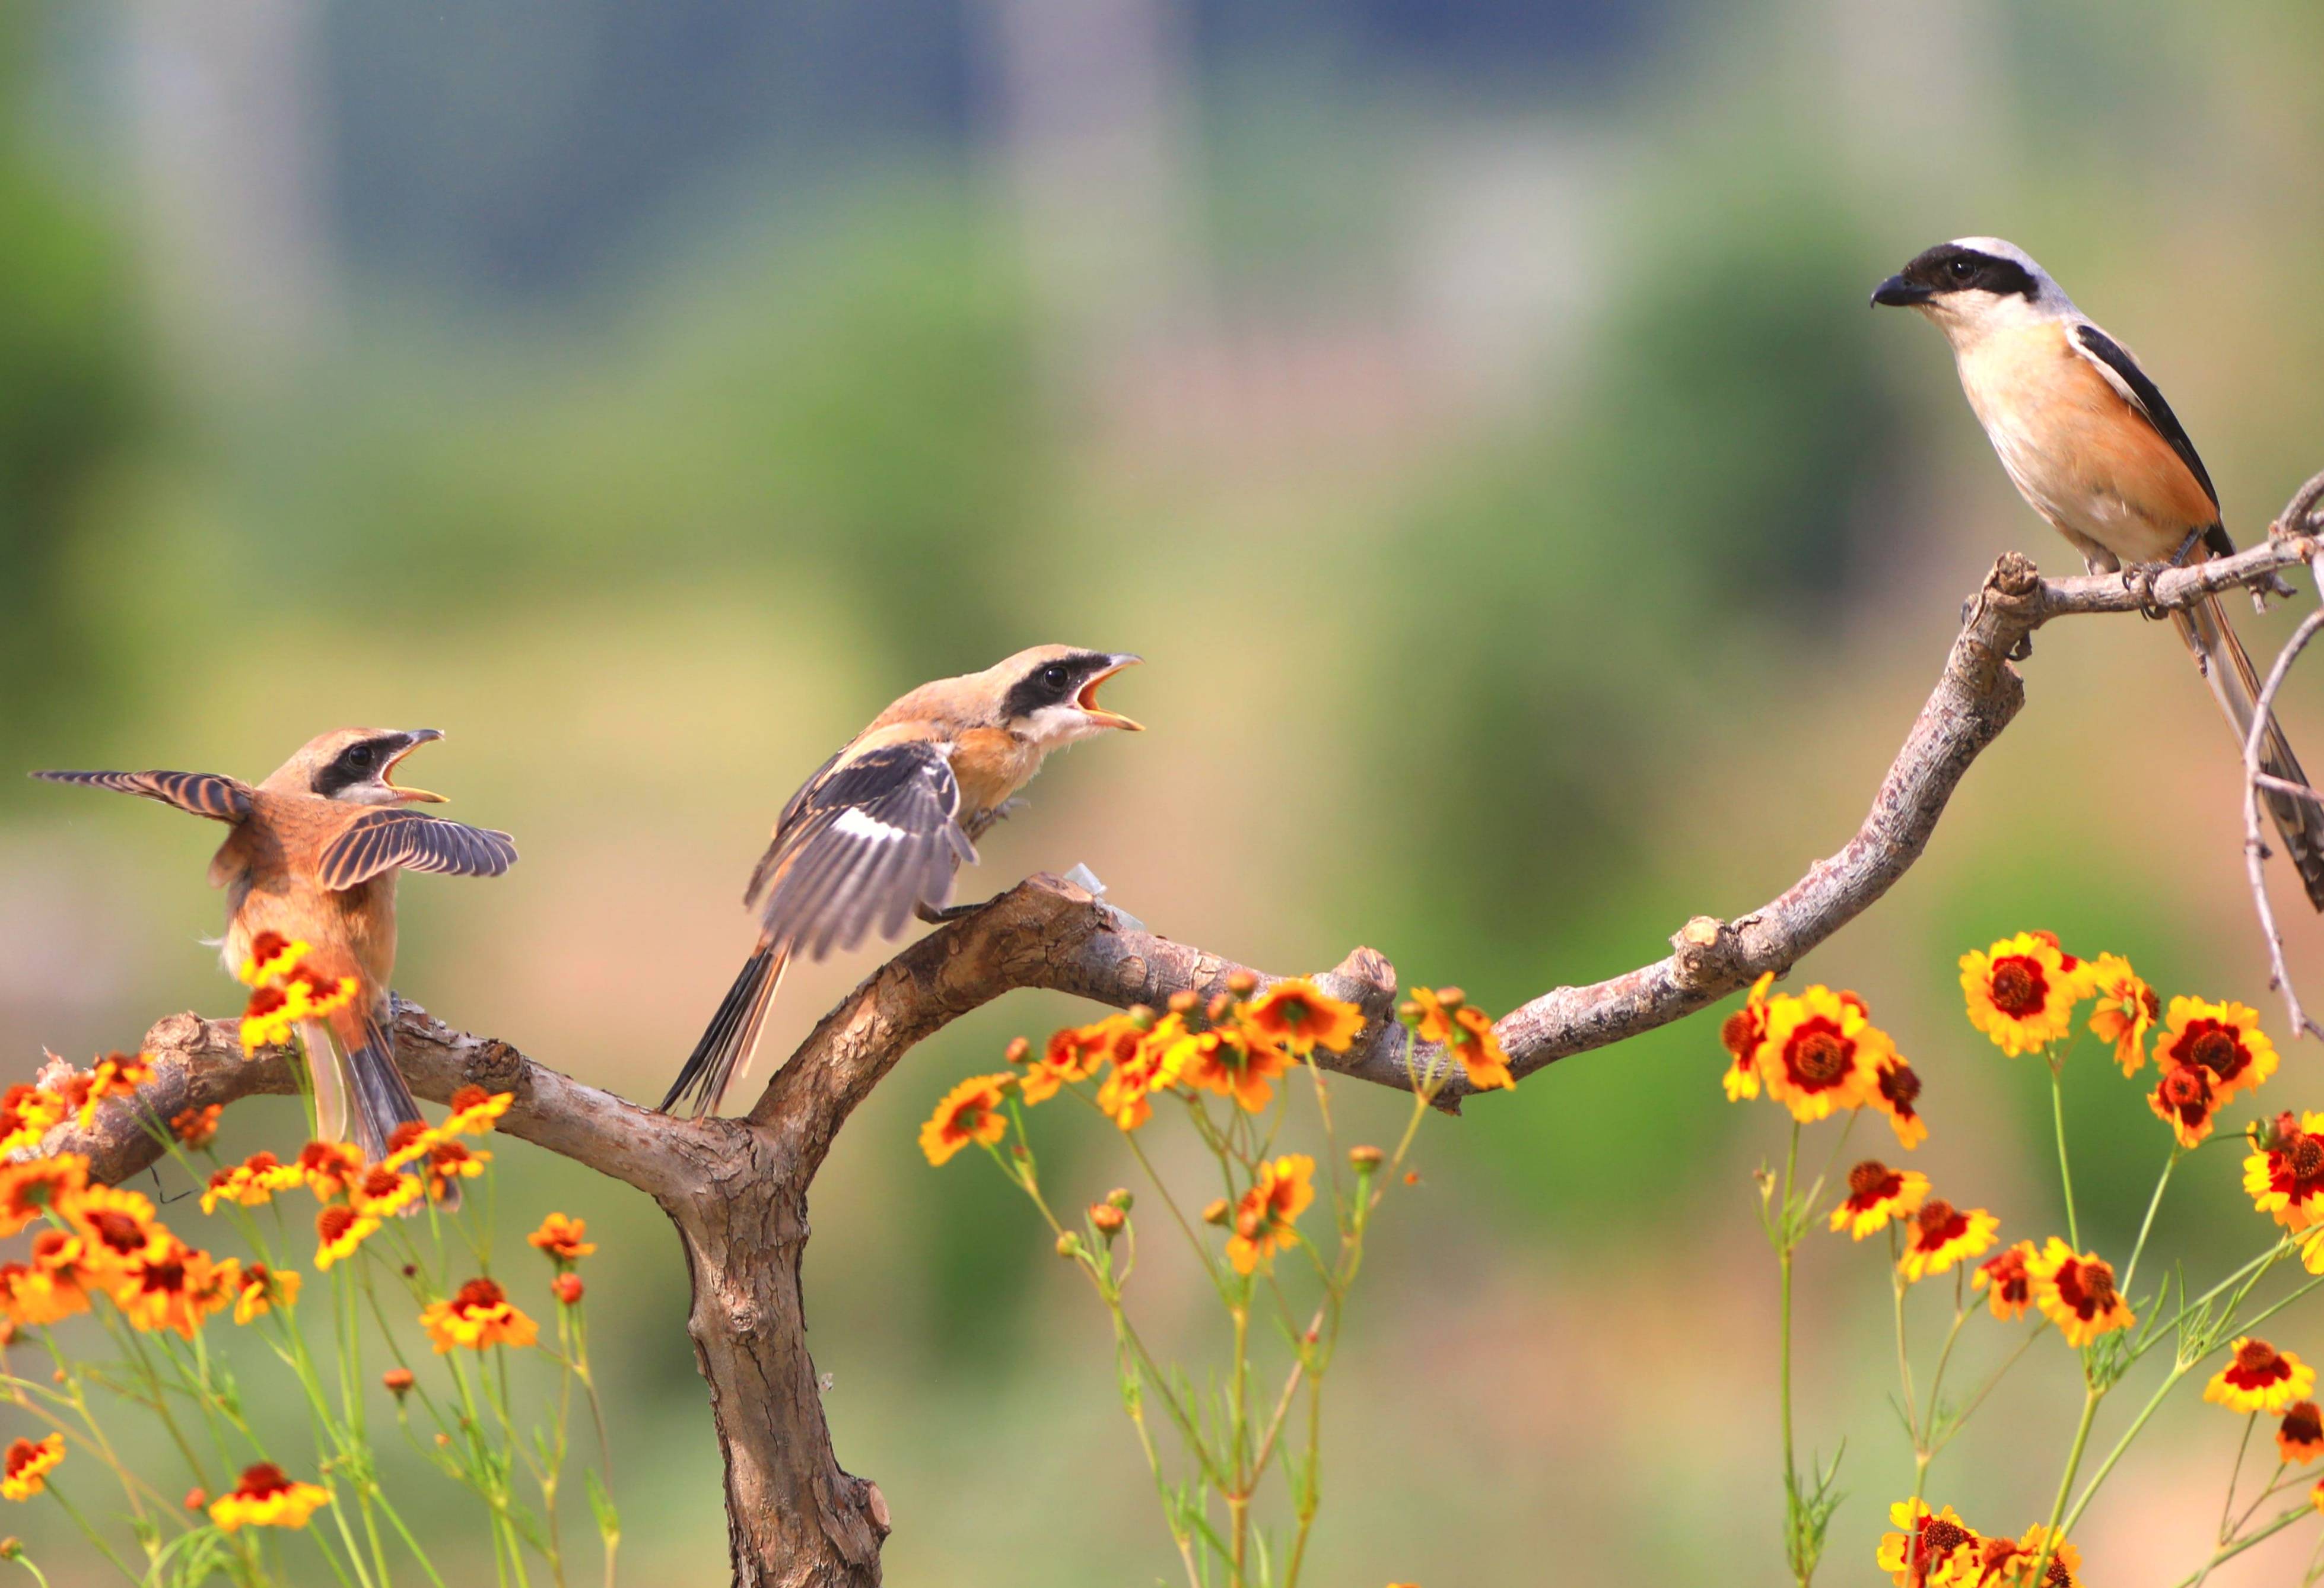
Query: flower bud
(444, 1440)
(1451, 997)
(1120, 1197)
(1408, 1010)
(1184, 1000)
(1069, 1244)
(1142, 1017)
(568, 1289)
(1018, 1052)
(399, 1382)
(1217, 1212)
(1107, 1219)
(1412, 1176)
(1242, 983)
(11, 1548)
(198, 1497)
(1365, 1158)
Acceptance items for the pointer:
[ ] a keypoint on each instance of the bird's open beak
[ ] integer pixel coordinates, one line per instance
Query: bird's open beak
(1087, 699)
(413, 740)
(1896, 292)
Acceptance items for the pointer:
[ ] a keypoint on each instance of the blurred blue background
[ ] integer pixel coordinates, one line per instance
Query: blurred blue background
(1470, 410)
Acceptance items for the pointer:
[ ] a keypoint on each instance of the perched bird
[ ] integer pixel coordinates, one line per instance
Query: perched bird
(312, 856)
(877, 834)
(2090, 443)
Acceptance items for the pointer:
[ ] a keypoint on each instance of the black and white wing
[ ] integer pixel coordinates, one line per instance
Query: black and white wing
(865, 842)
(383, 840)
(2137, 388)
(221, 799)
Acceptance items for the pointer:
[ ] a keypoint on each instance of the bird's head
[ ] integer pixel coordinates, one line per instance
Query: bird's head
(1973, 285)
(1048, 696)
(356, 766)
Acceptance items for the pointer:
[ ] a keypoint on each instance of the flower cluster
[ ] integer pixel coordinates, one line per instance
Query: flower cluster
(1818, 1053)
(287, 991)
(1936, 1549)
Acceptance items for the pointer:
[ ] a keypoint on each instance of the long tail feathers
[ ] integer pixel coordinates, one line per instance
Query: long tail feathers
(2235, 683)
(724, 1054)
(366, 1088)
(323, 1066)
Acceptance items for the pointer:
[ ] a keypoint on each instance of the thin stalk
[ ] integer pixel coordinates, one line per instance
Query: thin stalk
(2130, 1270)
(2065, 1170)
(2090, 1398)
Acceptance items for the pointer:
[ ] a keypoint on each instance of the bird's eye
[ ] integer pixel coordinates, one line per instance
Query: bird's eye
(1055, 676)
(1962, 269)
(360, 755)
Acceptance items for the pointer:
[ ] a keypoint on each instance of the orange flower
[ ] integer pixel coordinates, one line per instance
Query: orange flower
(1078, 1052)
(2300, 1438)
(1941, 1235)
(2258, 1377)
(317, 994)
(453, 1160)
(2225, 1039)
(329, 1167)
(407, 1142)
(970, 1112)
(1742, 1034)
(1896, 1093)
(262, 1290)
(1140, 1072)
(171, 1285)
(474, 1110)
(2126, 1008)
(2076, 1292)
(339, 1230)
(478, 1317)
(1443, 1015)
(2286, 1178)
(196, 1128)
(1821, 1053)
(1878, 1194)
(2185, 1099)
(2022, 991)
(1929, 1549)
(561, 1239)
(270, 955)
(26, 1114)
(267, 1019)
(1229, 1062)
(29, 1464)
(2005, 1278)
(116, 1074)
(1266, 1214)
(116, 1226)
(1300, 1016)
(28, 1190)
(53, 1285)
(252, 1183)
(265, 1498)
(382, 1193)
(2065, 1561)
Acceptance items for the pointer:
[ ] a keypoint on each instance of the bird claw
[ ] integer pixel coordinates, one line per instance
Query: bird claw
(2138, 579)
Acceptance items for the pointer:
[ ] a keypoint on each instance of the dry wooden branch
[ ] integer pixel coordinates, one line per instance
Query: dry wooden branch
(737, 1189)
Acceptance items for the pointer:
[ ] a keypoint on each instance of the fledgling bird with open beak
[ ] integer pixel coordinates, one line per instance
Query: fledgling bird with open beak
(2088, 441)
(877, 833)
(313, 855)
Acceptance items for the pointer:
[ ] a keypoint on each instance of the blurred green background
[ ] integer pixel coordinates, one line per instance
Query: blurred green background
(1468, 408)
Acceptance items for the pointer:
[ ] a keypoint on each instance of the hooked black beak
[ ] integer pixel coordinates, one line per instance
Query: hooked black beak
(412, 739)
(1896, 292)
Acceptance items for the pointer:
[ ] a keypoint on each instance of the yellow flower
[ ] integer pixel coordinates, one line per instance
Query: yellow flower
(2286, 1178)
(2021, 991)
(2064, 1570)
(1878, 1194)
(1821, 1052)
(2260, 1378)
(329, 1167)
(2005, 1277)
(28, 1190)
(266, 1497)
(1931, 1545)
(2225, 1039)
(1941, 1235)
(26, 1115)
(263, 1289)
(2076, 1292)
(117, 1225)
(970, 1112)
(272, 955)
(1301, 1017)
(561, 1239)
(383, 1192)
(453, 1160)
(171, 1285)
(267, 1019)
(1742, 1034)
(30, 1462)
(340, 1230)
(1896, 1093)
(116, 1074)
(2126, 1007)
(1264, 1217)
(252, 1183)
(479, 1316)
(474, 1110)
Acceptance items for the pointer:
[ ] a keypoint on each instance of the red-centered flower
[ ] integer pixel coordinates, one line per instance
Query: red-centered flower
(266, 1497)
(1078, 1052)
(2286, 1178)
(475, 1111)
(2225, 1039)
(1821, 1053)
(117, 1226)
(1931, 1545)
(26, 1114)
(478, 1315)
(1227, 1060)
(2300, 1438)
(1896, 1093)
(2187, 1099)
(339, 1232)
(2006, 1280)
(1941, 1235)
(196, 1128)
(116, 1074)
(2076, 1291)
(970, 1112)
(329, 1167)
(29, 1463)
(270, 955)
(2258, 1377)
(450, 1160)
(1139, 1072)
(562, 1239)
(28, 1190)
(171, 1285)
(1743, 1034)
(53, 1285)
(1300, 1016)
(262, 1290)
(267, 1019)
(383, 1192)
(2126, 1008)
(2021, 991)
(1876, 1194)
(1265, 1217)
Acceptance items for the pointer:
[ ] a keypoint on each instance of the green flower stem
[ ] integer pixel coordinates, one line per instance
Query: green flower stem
(2146, 1225)
(2297, 1514)
(2090, 1398)
(2065, 1170)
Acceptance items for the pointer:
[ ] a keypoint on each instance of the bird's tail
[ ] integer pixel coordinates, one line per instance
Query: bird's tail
(359, 1084)
(2228, 667)
(724, 1054)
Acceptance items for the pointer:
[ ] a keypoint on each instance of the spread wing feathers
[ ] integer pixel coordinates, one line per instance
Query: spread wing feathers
(382, 840)
(220, 799)
(872, 838)
(2113, 361)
